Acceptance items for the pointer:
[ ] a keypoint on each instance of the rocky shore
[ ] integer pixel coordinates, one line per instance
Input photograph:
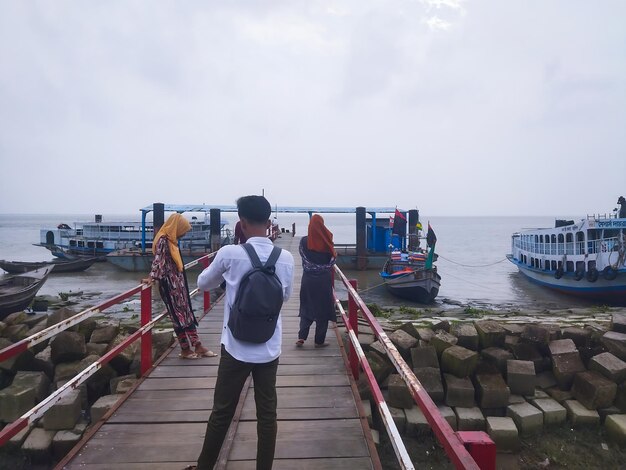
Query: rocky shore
(522, 377)
(28, 378)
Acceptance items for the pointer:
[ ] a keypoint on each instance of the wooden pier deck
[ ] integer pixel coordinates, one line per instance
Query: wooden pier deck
(161, 424)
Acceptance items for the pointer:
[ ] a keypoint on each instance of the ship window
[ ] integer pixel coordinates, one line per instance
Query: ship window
(580, 265)
(90, 244)
(553, 237)
(50, 238)
(570, 266)
(591, 265)
(81, 244)
(99, 245)
(580, 237)
(540, 238)
(553, 263)
(72, 242)
(569, 238)
(561, 239)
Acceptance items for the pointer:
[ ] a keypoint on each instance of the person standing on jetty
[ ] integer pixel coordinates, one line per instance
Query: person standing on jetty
(240, 358)
(317, 303)
(169, 270)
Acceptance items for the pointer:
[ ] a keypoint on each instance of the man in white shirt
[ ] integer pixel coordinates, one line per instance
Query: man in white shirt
(239, 359)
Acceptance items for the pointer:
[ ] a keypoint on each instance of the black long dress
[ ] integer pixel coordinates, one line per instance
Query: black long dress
(316, 291)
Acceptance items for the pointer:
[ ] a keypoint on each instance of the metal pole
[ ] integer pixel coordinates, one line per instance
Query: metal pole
(207, 295)
(361, 253)
(146, 337)
(353, 317)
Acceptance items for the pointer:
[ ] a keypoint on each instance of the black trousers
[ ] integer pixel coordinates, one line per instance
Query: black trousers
(231, 376)
(321, 327)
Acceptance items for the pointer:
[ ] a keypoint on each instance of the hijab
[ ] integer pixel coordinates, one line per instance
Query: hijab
(319, 237)
(174, 227)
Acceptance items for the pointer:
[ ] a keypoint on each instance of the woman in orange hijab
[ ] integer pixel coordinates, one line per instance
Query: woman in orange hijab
(316, 291)
(169, 270)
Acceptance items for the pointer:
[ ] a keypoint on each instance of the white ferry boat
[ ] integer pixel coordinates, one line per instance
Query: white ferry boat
(585, 258)
(100, 238)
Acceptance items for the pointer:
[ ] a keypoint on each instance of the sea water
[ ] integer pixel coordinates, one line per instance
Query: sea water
(471, 263)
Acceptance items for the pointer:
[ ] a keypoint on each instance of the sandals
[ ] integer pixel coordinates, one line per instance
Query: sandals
(188, 356)
(206, 353)
(299, 343)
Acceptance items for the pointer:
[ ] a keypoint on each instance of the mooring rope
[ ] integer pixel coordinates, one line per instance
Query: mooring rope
(472, 266)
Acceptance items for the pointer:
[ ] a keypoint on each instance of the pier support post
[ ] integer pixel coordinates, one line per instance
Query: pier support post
(414, 217)
(146, 338)
(207, 294)
(361, 249)
(158, 216)
(216, 228)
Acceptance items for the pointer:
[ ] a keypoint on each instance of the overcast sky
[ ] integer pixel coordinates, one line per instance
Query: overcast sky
(453, 107)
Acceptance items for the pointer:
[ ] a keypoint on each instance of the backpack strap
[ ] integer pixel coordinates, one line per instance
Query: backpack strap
(254, 258)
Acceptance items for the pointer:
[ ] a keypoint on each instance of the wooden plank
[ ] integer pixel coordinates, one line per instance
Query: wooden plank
(349, 463)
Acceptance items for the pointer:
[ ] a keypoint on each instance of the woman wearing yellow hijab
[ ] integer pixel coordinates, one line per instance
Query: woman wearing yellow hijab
(168, 268)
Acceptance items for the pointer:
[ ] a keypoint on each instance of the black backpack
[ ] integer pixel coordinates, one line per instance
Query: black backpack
(254, 314)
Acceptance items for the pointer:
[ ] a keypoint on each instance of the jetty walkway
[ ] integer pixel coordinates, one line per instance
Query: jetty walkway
(161, 424)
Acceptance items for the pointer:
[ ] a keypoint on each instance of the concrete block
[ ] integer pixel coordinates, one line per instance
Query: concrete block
(528, 419)
(459, 361)
(615, 343)
(65, 440)
(381, 367)
(424, 357)
(367, 411)
(466, 334)
(609, 365)
(580, 336)
(65, 413)
(459, 391)
(26, 390)
(565, 366)
(416, 423)
(560, 395)
(618, 322)
(579, 416)
(442, 340)
(375, 437)
(594, 390)
(545, 380)
(529, 352)
(490, 333)
(616, 429)
(537, 335)
(561, 346)
(510, 341)
(604, 412)
(425, 334)
(430, 378)
(470, 419)
(409, 328)
(67, 346)
(515, 399)
(403, 342)
(102, 405)
(553, 413)
(38, 445)
(513, 329)
(96, 348)
(498, 357)
(123, 384)
(520, 376)
(104, 334)
(504, 433)
(15, 443)
(620, 397)
(491, 390)
(399, 395)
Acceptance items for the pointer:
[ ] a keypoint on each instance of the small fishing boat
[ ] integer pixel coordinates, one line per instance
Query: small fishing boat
(58, 266)
(17, 291)
(409, 275)
(585, 258)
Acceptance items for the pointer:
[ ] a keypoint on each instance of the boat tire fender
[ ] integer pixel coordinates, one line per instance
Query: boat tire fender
(592, 275)
(579, 274)
(558, 274)
(609, 273)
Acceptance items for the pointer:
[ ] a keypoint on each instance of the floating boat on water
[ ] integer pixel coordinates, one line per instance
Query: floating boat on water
(58, 266)
(411, 274)
(585, 258)
(17, 291)
(408, 275)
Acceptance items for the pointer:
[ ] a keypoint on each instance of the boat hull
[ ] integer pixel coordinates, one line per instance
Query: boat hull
(421, 286)
(18, 291)
(136, 261)
(17, 267)
(602, 289)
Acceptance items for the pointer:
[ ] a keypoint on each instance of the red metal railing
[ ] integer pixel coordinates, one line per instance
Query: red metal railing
(144, 333)
(466, 449)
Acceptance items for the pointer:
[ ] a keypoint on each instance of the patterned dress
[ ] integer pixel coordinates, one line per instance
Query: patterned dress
(175, 294)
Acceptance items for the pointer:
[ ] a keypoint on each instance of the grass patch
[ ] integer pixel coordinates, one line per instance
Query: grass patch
(414, 312)
(600, 309)
(474, 312)
(378, 311)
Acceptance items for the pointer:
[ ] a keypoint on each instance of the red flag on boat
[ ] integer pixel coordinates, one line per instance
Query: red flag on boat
(431, 238)
(399, 224)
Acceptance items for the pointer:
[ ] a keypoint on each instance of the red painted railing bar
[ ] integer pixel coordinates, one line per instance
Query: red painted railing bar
(392, 430)
(146, 338)
(451, 442)
(207, 294)
(353, 319)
